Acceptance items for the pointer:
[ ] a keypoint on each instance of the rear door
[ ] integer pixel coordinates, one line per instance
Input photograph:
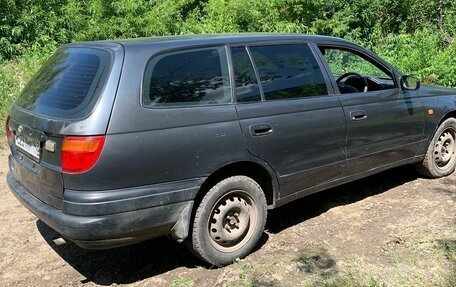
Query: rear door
(287, 116)
(64, 98)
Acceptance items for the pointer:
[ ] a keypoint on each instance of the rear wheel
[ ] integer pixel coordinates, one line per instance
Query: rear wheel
(229, 221)
(440, 159)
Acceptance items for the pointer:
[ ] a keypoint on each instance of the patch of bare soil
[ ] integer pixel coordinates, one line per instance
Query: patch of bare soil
(391, 229)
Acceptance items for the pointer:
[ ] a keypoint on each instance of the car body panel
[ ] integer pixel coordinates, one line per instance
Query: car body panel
(160, 144)
(392, 126)
(307, 143)
(442, 102)
(43, 176)
(392, 131)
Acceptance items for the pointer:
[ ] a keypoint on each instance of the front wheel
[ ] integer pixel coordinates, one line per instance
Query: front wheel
(440, 159)
(229, 221)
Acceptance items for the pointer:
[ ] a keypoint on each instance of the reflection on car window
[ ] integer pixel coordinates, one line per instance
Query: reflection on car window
(69, 83)
(247, 89)
(341, 62)
(191, 77)
(288, 71)
(355, 73)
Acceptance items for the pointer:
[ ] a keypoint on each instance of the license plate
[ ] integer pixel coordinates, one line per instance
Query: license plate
(29, 145)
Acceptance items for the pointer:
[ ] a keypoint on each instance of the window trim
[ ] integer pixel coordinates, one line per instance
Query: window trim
(183, 49)
(232, 78)
(257, 74)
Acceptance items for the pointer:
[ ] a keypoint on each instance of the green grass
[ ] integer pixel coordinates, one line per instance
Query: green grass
(182, 282)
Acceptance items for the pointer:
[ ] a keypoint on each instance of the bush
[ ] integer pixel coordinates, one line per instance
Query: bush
(14, 75)
(424, 54)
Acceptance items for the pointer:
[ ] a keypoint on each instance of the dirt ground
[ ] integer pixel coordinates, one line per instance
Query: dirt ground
(391, 229)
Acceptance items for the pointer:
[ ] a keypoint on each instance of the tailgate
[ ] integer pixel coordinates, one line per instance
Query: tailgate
(71, 95)
(38, 171)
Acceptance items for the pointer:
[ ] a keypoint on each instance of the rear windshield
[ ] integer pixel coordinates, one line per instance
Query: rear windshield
(68, 85)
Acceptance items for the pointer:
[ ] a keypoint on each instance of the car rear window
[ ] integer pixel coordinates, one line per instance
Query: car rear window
(68, 84)
(189, 77)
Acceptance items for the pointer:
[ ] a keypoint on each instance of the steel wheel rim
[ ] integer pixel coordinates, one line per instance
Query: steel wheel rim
(444, 149)
(232, 221)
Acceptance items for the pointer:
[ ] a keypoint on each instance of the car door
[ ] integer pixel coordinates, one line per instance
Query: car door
(286, 114)
(384, 124)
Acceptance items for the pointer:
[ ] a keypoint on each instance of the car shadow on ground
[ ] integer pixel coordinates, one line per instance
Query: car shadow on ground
(144, 260)
(313, 205)
(124, 264)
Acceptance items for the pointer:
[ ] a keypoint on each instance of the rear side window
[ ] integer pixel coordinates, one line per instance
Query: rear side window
(68, 85)
(247, 89)
(190, 77)
(288, 71)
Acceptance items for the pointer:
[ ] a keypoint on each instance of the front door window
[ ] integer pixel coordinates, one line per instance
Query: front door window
(354, 73)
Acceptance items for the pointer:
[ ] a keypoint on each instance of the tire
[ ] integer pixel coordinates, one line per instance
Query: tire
(229, 221)
(440, 158)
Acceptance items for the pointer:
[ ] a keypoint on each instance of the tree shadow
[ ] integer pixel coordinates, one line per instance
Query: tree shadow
(133, 263)
(318, 203)
(316, 260)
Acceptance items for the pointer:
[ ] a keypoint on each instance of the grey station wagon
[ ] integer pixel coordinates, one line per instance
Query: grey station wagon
(196, 137)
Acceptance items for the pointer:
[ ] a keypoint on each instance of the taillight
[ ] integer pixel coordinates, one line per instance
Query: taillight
(79, 154)
(9, 134)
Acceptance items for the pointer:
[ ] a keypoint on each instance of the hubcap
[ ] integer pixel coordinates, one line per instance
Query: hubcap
(232, 221)
(444, 150)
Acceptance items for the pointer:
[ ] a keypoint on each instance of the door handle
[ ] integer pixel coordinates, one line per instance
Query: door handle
(358, 115)
(260, 129)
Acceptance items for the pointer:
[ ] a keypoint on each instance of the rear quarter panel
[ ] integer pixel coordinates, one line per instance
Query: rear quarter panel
(146, 146)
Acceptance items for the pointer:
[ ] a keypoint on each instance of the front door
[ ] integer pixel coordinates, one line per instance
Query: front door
(287, 116)
(385, 124)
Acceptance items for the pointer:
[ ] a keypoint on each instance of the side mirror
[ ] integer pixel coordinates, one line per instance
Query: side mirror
(410, 83)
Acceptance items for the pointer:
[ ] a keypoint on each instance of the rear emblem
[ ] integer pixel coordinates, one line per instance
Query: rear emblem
(20, 128)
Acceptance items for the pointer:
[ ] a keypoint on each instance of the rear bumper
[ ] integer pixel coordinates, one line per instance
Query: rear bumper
(128, 220)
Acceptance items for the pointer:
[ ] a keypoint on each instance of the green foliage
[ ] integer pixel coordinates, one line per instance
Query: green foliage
(415, 35)
(38, 23)
(424, 53)
(15, 74)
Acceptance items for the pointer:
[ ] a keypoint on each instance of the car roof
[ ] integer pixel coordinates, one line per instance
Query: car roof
(204, 39)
